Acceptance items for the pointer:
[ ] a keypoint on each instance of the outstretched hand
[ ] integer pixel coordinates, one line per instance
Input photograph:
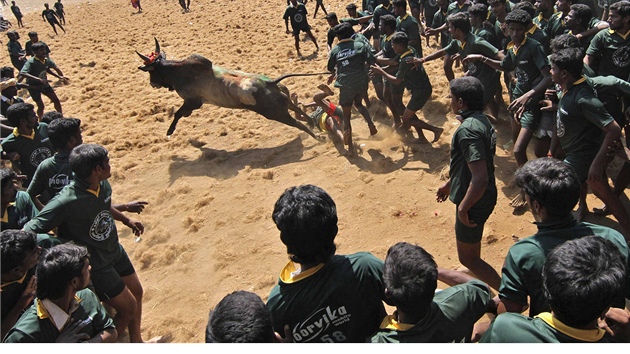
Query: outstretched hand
(136, 206)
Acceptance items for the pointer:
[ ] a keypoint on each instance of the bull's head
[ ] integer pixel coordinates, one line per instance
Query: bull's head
(153, 58)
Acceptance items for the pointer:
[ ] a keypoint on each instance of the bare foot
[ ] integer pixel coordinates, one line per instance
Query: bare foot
(518, 201)
(437, 135)
(326, 89)
(373, 130)
(347, 137)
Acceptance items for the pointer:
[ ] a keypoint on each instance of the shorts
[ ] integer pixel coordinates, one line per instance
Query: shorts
(478, 214)
(296, 31)
(531, 116)
(490, 87)
(545, 127)
(108, 281)
(581, 164)
(394, 89)
(36, 93)
(349, 94)
(418, 98)
(377, 79)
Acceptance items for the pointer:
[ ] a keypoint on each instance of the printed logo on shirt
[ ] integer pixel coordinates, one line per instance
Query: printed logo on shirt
(559, 125)
(472, 68)
(621, 57)
(40, 154)
(345, 54)
(58, 181)
(102, 226)
(319, 322)
(521, 76)
(298, 18)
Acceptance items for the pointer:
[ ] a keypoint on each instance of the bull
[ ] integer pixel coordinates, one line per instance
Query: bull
(197, 81)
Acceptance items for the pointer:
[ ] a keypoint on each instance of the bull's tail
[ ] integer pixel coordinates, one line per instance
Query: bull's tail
(289, 75)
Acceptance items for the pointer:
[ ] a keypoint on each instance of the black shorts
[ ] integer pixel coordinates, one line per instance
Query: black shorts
(296, 31)
(479, 214)
(108, 281)
(36, 92)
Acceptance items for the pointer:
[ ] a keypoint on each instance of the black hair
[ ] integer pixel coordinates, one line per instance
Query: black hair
(410, 276)
(15, 245)
(583, 13)
(32, 34)
(19, 111)
(527, 7)
(50, 116)
(240, 317)
(622, 8)
(37, 46)
(460, 21)
(564, 41)
(570, 59)
(400, 3)
(85, 157)
(351, 6)
(470, 90)
(478, 10)
(7, 175)
(7, 71)
(331, 16)
(389, 21)
(344, 30)
(518, 16)
(550, 182)
(307, 219)
(400, 38)
(57, 266)
(581, 278)
(61, 130)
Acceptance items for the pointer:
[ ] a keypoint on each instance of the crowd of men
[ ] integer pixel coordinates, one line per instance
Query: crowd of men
(66, 277)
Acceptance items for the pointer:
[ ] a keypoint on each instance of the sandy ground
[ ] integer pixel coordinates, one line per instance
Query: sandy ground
(211, 187)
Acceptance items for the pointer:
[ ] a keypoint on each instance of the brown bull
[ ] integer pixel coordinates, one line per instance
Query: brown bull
(197, 81)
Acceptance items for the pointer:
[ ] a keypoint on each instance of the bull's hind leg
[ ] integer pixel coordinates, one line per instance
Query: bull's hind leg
(184, 111)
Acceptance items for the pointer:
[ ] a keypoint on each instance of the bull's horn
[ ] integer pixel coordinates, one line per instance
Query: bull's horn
(157, 46)
(144, 58)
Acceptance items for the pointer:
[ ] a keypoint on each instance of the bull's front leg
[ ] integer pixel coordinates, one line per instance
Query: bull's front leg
(184, 111)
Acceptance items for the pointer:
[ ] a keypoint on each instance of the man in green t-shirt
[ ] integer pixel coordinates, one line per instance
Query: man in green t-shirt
(581, 278)
(586, 131)
(347, 63)
(65, 311)
(82, 212)
(471, 186)
(296, 12)
(321, 296)
(423, 315)
(414, 79)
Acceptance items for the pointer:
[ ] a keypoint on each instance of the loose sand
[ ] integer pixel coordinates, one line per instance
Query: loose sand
(211, 187)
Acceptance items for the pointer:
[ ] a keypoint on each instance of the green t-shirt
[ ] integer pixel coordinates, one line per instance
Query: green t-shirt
(369, 5)
(297, 15)
(438, 20)
(581, 117)
(36, 326)
(341, 302)
(474, 140)
(476, 45)
(541, 21)
(609, 85)
(20, 213)
(555, 26)
(348, 58)
(12, 291)
(516, 328)
(539, 36)
(454, 7)
(38, 69)
(489, 35)
(409, 25)
(83, 217)
(33, 150)
(613, 52)
(379, 11)
(450, 319)
(526, 62)
(521, 275)
(413, 79)
(51, 175)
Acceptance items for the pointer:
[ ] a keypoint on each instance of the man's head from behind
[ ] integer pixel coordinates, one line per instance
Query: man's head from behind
(86, 158)
(581, 278)
(564, 41)
(388, 24)
(65, 131)
(50, 116)
(61, 267)
(410, 276)
(20, 253)
(240, 317)
(307, 219)
(344, 30)
(549, 184)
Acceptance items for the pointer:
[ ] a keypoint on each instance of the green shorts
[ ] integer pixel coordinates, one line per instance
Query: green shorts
(581, 163)
(490, 86)
(478, 214)
(107, 282)
(531, 116)
(395, 89)
(349, 94)
(418, 98)
(36, 94)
